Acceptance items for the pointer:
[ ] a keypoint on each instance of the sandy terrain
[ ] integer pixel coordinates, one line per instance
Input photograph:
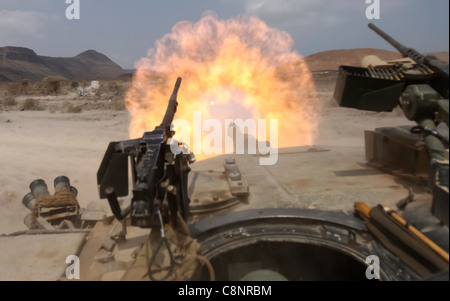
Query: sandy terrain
(43, 145)
(46, 145)
(49, 143)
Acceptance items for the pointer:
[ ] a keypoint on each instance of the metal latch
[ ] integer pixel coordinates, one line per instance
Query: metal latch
(238, 185)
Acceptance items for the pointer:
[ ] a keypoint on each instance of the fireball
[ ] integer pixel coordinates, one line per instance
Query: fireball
(235, 68)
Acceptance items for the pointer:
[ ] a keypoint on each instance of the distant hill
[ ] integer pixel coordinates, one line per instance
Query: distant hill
(332, 59)
(17, 63)
(442, 55)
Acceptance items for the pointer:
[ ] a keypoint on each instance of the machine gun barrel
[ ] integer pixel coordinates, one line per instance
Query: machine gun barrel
(405, 51)
(172, 107)
(397, 45)
(437, 65)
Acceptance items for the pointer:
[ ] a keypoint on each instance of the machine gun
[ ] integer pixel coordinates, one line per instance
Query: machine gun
(420, 85)
(439, 81)
(159, 169)
(380, 86)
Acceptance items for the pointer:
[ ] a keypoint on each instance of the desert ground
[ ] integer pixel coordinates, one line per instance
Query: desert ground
(46, 134)
(67, 134)
(46, 140)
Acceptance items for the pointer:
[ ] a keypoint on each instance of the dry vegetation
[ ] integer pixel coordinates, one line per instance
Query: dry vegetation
(70, 108)
(57, 94)
(31, 104)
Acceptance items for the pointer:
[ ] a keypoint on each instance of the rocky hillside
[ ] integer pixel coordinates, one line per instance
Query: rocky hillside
(17, 63)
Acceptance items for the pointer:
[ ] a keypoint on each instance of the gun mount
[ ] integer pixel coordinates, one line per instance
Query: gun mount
(420, 86)
(158, 174)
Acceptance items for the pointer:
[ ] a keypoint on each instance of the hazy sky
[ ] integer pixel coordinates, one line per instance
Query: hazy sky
(125, 30)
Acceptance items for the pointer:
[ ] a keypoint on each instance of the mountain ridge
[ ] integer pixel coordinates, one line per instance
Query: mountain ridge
(19, 63)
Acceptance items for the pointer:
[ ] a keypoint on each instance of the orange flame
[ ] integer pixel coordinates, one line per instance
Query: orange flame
(237, 68)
